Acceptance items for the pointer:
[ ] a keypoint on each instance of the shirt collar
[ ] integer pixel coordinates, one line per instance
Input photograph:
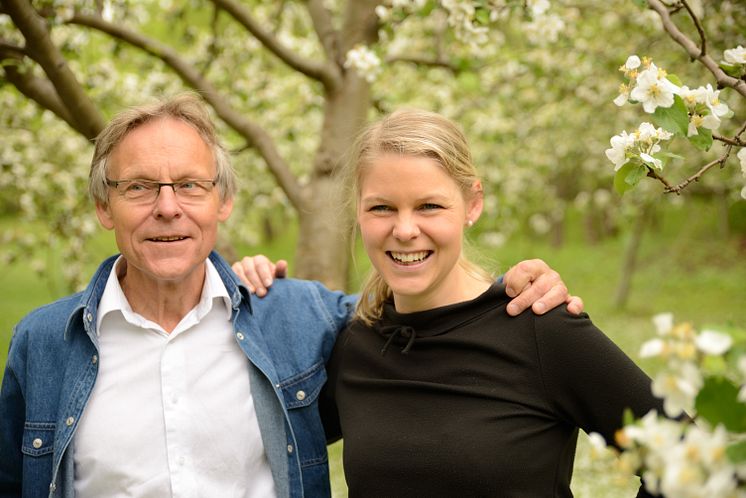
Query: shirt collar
(113, 298)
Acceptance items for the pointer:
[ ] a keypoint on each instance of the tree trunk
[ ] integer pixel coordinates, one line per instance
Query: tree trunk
(323, 251)
(629, 265)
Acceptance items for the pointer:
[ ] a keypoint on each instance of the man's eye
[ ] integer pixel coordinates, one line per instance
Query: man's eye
(137, 187)
(187, 186)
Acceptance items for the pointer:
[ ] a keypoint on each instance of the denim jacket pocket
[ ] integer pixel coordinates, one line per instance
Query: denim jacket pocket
(38, 438)
(301, 394)
(303, 389)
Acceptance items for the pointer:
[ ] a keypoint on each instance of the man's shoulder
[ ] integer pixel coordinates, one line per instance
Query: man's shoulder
(51, 316)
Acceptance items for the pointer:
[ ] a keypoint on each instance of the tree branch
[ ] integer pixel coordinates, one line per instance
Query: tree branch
(696, 176)
(322, 24)
(422, 60)
(698, 25)
(251, 131)
(694, 52)
(315, 70)
(88, 120)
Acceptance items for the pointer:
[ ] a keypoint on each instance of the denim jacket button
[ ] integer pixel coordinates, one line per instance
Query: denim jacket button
(52, 486)
(36, 443)
(69, 421)
(240, 336)
(300, 395)
(290, 448)
(89, 317)
(94, 359)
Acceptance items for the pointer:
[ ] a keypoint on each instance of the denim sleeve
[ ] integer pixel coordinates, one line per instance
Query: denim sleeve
(12, 415)
(339, 305)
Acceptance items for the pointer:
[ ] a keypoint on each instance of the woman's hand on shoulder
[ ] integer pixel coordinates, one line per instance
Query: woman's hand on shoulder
(258, 272)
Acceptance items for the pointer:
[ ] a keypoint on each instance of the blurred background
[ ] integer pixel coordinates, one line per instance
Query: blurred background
(291, 83)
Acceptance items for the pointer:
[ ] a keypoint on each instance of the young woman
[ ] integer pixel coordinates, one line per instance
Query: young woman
(439, 392)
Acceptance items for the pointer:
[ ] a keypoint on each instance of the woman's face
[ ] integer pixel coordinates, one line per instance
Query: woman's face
(412, 215)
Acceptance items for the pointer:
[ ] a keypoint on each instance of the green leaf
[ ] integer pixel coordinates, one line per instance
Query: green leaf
(703, 140)
(718, 404)
(674, 119)
(641, 3)
(674, 79)
(619, 184)
(482, 16)
(635, 175)
(622, 177)
(736, 452)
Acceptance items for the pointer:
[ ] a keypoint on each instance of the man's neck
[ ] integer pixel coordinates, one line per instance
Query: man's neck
(162, 302)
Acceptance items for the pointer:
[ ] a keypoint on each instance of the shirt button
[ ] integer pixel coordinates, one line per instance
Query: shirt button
(300, 395)
(36, 443)
(240, 336)
(69, 421)
(290, 448)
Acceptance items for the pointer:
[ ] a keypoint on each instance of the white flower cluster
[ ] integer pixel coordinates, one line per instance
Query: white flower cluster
(681, 347)
(638, 146)
(676, 457)
(742, 158)
(364, 61)
(735, 55)
(544, 26)
(461, 17)
(681, 460)
(650, 86)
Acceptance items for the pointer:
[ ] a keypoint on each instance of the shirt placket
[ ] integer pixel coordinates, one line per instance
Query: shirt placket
(175, 419)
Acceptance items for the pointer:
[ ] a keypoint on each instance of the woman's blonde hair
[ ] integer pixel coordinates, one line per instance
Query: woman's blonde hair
(418, 133)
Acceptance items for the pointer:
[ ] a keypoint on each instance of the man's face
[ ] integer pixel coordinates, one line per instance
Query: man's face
(169, 238)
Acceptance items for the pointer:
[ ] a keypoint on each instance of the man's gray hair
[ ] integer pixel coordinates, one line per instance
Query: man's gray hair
(187, 107)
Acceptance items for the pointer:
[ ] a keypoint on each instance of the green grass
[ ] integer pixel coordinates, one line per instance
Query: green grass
(685, 267)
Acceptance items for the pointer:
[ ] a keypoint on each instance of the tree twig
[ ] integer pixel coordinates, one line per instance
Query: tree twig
(313, 69)
(696, 176)
(698, 25)
(694, 51)
(322, 24)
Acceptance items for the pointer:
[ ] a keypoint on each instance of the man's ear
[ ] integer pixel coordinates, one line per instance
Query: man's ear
(104, 216)
(225, 209)
(475, 204)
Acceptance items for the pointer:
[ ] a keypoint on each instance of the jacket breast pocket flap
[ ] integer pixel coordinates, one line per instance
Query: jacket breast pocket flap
(302, 390)
(38, 438)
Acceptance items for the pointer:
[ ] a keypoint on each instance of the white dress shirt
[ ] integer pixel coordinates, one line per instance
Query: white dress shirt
(170, 415)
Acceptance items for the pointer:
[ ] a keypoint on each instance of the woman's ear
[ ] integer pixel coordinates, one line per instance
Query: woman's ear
(475, 204)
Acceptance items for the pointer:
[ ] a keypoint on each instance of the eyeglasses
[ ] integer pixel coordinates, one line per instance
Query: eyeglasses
(147, 191)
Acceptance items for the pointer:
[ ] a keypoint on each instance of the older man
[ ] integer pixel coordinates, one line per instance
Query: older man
(164, 377)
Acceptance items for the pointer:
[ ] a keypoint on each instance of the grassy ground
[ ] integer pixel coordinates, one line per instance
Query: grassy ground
(686, 267)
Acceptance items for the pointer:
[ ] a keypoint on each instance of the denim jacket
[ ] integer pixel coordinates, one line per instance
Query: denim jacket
(53, 360)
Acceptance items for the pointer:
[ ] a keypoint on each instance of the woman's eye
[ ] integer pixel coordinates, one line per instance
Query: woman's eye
(379, 208)
(429, 206)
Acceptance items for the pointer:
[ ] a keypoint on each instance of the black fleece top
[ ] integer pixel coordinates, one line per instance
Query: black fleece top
(465, 400)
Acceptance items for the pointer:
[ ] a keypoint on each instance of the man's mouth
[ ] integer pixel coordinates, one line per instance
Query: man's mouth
(409, 258)
(168, 238)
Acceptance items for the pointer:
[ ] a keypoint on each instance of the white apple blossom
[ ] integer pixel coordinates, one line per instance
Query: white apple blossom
(652, 348)
(713, 343)
(651, 161)
(743, 193)
(678, 388)
(735, 55)
(663, 323)
(653, 90)
(620, 145)
(633, 62)
(742, 159)
(364, 61)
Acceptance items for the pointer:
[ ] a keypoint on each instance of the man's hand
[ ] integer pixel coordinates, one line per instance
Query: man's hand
(533, 283)
(258, 272)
